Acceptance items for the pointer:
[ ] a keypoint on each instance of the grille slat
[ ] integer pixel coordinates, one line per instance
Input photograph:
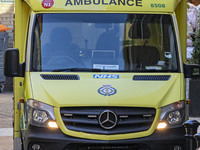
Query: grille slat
(86, 119)
(82, 121)
(117, 130)
(95, 111)
(79, 112)
(135, 122)
(95, 121)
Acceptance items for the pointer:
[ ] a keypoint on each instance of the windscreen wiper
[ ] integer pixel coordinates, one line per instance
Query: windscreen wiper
(77, 70)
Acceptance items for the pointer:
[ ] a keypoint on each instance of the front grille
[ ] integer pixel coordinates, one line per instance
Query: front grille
(86, 119)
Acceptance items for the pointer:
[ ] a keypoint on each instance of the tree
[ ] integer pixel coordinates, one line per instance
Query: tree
(196, 50)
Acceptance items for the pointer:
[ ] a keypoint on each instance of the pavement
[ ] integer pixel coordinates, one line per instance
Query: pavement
(6, 129)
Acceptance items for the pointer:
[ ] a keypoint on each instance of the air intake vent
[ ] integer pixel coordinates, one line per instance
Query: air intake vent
(60, 77)
(152, 78)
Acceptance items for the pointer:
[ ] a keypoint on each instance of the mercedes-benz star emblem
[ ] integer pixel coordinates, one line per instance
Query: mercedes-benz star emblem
(108, 119)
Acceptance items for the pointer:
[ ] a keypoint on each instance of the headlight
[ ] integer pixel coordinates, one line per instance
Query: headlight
(40, 114)
(173, 114)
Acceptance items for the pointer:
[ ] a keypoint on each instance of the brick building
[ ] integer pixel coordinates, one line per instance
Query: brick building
(7, 19)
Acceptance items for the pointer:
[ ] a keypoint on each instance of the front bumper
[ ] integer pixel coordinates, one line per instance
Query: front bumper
(49, 139)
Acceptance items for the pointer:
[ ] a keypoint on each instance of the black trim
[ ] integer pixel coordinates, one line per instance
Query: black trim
(151, 77)
(59, 77)
(32, 44)
(176, 46)
(56, 140)
(27, 40)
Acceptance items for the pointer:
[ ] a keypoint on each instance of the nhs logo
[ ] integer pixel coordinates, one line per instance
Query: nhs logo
(106, 76)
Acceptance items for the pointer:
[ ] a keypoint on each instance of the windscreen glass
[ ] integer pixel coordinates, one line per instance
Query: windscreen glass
(104, 42)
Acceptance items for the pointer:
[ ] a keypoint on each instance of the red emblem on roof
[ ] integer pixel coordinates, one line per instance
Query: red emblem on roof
(47, 3)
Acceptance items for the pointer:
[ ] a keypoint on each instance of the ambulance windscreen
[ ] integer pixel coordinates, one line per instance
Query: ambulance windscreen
(107, 42)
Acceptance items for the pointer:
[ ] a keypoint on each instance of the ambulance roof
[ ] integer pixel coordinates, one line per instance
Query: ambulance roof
(104, 5)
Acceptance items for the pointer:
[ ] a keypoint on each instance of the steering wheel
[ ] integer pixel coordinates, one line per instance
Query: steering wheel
(60, 58)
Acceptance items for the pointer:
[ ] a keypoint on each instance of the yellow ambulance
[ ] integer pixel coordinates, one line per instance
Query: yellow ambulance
(99, 74)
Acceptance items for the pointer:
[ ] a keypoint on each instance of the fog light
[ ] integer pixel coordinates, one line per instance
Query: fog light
(161, 125)
(52, 124)
(177, 147)
(36, 147)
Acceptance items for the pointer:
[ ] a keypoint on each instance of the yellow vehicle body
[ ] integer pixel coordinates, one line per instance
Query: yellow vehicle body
(83, 93)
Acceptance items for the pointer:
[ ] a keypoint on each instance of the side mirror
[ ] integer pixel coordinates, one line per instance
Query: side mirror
(191, 70)
(12, 67)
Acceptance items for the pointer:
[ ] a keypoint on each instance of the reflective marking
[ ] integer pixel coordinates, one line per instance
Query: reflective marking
(92, 116)
(68, 115)
(123, 117)
(147, 115)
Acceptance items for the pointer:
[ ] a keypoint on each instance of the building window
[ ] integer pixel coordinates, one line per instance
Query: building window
(6, 1)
